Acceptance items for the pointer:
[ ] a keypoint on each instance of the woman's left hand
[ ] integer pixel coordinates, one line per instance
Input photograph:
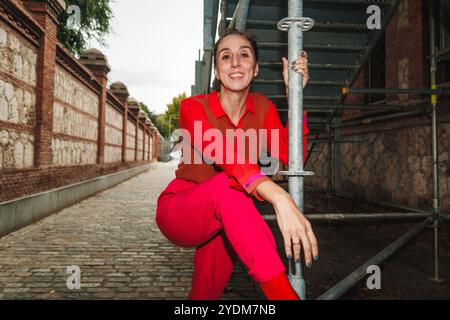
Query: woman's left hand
(300, 65)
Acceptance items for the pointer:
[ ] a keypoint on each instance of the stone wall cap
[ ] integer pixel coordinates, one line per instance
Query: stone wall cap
(94, 57)
(119, 87)
(62, 3)
(93, 52)
(142, 114)
(133, 104)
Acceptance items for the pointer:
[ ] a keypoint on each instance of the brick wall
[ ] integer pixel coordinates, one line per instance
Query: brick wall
(59, 123)
(394, 164)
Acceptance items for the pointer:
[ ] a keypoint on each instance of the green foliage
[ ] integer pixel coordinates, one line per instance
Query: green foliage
(153, 117)
(172, 114)
(94, 23)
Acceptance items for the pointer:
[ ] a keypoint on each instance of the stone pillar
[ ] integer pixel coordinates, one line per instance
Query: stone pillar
(121, 92)
(133, 106)
(45, 12)
(97, 63)
(142, 119)
(152, 137)
(148, 124)
(157, 145)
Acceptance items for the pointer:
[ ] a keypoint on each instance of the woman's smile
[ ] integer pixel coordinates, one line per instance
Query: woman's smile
(237, 76)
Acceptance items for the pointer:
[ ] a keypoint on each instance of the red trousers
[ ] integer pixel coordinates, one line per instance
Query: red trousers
(220, 222)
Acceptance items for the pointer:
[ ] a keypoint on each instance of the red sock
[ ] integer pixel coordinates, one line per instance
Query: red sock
(279, 288)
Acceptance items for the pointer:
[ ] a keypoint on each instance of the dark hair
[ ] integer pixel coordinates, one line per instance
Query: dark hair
(251, 39)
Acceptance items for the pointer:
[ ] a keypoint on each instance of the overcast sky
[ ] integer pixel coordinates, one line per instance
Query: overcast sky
(153, 48)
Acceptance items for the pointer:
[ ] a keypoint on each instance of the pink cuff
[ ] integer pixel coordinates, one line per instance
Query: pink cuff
(253, 179)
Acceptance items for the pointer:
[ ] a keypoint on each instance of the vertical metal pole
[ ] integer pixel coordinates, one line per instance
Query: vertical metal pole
(295, 114)
(436, 209)
(337, 155)
(331, 167)
(210, 17)
(241, 15)
(295, 24)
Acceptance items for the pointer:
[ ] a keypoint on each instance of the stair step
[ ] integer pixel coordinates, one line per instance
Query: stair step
(314, 65)
(310, 83)
(308, 46)
(309, 2)
(329, 11)
(317, 25)
(275, 72)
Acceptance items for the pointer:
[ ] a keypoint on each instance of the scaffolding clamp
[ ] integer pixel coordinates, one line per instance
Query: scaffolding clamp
(303, 22)
(296, 173)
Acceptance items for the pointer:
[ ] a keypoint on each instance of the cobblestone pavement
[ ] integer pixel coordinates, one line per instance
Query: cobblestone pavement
(113, 238)
(121, 253)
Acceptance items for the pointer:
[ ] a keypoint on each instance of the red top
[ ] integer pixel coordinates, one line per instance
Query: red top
(203, 112)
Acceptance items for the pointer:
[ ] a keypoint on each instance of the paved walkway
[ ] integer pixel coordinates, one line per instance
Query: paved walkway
(114, 240)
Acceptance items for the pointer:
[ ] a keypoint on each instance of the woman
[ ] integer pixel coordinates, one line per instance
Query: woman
(208, 205)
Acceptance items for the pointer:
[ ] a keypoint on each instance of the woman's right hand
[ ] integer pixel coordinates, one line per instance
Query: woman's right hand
(294, 226)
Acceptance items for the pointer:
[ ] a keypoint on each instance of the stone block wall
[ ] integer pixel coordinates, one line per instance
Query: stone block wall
(131, 139)
(396, 166)
(17, 99)
(140, 141)
(113, 136)
(146, 146)
(59, 122)
(319, 163)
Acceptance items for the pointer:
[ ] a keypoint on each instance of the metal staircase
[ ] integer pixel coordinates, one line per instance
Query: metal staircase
(338, 46)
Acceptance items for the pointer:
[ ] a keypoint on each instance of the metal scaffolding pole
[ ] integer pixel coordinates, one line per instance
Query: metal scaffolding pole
(239, 20)
(418, 91)
(398, 115)
(335, 141)
(358, 216)
(353, 278)
(295, 24)
(333, 107)
(434, 147)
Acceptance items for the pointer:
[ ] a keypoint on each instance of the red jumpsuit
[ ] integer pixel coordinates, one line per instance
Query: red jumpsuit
(208, 205)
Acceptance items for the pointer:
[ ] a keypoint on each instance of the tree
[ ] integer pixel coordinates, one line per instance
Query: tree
(172, 113)
(153, 117)
(166, 122)
(84, 20)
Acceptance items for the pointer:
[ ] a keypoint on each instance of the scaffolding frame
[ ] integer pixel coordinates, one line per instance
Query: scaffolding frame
(295, 26)
(434, 218)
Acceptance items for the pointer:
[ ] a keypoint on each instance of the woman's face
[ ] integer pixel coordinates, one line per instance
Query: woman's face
(235, 63)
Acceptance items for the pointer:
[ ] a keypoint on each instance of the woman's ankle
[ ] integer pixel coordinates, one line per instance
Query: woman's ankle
(279, 288)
